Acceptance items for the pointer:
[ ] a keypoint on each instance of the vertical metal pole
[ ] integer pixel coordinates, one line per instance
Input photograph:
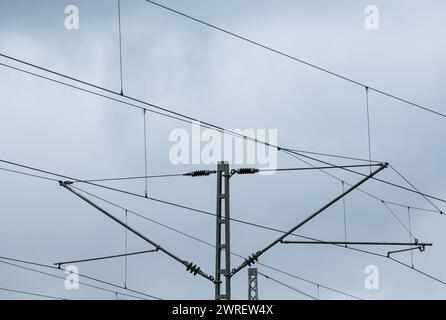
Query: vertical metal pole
(222, 246)
(228, 234)
(253, 289)
(218, 237)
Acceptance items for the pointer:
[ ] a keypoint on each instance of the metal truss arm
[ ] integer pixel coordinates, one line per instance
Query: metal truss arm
(192, 268)
(254, 257)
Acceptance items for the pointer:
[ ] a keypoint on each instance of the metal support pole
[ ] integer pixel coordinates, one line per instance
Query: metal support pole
(222, 245)
(253, 285)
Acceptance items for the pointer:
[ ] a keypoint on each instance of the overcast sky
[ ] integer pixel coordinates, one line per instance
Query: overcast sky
(189, 68)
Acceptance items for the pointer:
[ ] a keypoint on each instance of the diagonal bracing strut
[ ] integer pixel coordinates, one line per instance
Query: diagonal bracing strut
(191, 267)
(59, 264)
(254, 257)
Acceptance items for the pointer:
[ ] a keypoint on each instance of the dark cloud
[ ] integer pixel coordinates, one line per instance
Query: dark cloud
(191, 69)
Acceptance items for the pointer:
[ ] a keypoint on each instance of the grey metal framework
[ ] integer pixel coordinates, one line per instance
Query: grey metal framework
(253, 285)
(223, 271)
(223, 241)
